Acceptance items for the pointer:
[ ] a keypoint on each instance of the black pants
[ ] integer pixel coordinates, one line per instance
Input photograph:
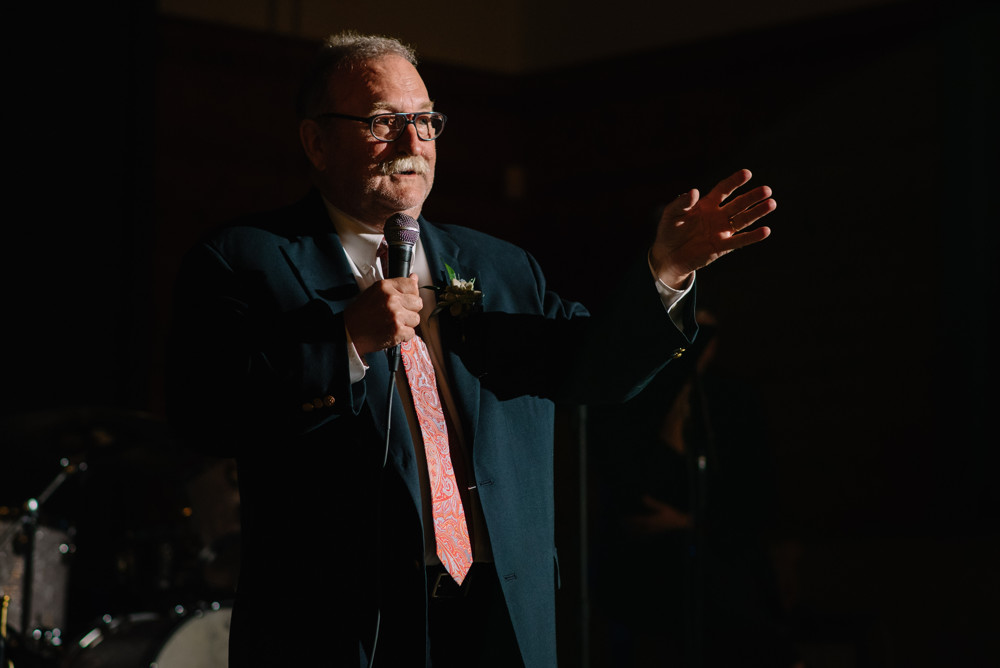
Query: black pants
(470, 628)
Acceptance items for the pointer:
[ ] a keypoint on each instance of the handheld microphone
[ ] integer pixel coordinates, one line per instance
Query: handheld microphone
(401, 233)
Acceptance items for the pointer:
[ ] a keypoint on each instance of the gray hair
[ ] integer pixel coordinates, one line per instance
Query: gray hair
(343, 51)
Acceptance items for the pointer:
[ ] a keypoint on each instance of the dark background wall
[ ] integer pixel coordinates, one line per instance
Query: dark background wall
(864, 324)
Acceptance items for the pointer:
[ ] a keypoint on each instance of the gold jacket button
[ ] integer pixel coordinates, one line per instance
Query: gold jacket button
(328, 400)
(307, 407)
(678, 352)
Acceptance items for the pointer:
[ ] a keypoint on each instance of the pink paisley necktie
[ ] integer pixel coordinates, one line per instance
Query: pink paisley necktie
(451, 533)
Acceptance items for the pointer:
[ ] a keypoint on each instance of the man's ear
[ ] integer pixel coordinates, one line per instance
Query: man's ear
(311, 136)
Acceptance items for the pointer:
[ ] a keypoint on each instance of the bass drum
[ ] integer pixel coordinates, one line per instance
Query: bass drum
(198, 639)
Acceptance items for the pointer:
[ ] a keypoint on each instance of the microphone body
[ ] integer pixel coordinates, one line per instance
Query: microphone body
(398, 262)
(401, 233)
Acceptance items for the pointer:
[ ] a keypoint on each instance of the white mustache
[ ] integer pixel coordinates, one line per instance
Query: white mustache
(407, 163)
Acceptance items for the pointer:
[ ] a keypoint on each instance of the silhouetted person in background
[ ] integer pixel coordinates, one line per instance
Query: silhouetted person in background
(686, 488)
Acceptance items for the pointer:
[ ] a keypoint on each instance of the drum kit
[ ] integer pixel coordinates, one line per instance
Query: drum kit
(119, 548)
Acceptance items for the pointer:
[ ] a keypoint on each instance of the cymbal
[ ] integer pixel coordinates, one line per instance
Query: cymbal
(99, 446)
(43, 425)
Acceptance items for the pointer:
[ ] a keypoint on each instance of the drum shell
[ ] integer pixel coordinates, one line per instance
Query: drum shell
(195, 640)
(50, 582)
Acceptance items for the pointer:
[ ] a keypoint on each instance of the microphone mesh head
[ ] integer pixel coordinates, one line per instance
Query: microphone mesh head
(401, 230)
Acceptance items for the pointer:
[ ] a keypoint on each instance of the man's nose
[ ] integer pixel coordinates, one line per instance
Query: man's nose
(409, 142)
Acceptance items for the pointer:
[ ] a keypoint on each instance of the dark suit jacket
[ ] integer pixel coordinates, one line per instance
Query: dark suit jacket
(258, 369)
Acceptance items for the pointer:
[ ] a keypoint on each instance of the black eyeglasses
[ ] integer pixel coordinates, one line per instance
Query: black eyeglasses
(390, 127)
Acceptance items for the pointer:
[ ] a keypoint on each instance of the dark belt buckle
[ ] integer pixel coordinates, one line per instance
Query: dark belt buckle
(444, 586)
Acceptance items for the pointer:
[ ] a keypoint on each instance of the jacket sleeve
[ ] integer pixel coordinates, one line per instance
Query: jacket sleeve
(558, 350)
(251, 355)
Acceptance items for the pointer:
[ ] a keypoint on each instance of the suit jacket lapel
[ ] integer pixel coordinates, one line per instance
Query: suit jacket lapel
(316, 256)
(401, 450)
(441, 249)
(318, 260)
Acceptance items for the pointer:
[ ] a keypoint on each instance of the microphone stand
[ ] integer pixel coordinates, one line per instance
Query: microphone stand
(702, 446)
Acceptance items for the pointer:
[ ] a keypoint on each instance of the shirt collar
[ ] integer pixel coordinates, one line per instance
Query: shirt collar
(360, 241)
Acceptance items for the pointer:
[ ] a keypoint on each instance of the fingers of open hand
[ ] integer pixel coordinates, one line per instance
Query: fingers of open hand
(739, 236)
(748, 209)
(746, 238)
(681, 204)
(727, 186)
(747, 200)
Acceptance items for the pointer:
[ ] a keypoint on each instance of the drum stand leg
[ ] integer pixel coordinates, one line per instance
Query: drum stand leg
(30, 530)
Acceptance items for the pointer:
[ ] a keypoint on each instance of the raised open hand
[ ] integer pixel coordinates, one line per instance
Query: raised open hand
(695, 231)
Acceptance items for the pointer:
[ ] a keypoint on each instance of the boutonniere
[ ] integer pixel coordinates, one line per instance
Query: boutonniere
(458, 295)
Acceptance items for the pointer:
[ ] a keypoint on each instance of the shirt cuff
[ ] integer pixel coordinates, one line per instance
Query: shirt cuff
(673, 300)
(355, 363)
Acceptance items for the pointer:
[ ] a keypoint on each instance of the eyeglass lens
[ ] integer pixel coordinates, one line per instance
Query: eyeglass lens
(391, 126)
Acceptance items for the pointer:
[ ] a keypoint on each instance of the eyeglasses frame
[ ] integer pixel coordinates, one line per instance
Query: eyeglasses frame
(410, 118)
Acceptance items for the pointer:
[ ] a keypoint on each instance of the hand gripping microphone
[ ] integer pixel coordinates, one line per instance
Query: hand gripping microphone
(401, 234)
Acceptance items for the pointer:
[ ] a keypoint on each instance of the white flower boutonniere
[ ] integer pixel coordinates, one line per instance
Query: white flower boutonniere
(459, 296)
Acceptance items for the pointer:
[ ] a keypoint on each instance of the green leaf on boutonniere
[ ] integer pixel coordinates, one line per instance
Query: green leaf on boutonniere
(458, 295)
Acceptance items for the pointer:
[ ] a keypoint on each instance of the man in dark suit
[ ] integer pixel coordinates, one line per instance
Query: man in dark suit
(277, 358)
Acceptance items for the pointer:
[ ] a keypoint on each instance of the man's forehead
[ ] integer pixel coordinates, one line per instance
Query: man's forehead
(387, 105)
(383, 84)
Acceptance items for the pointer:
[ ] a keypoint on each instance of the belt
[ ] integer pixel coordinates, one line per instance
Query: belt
(441, 585)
